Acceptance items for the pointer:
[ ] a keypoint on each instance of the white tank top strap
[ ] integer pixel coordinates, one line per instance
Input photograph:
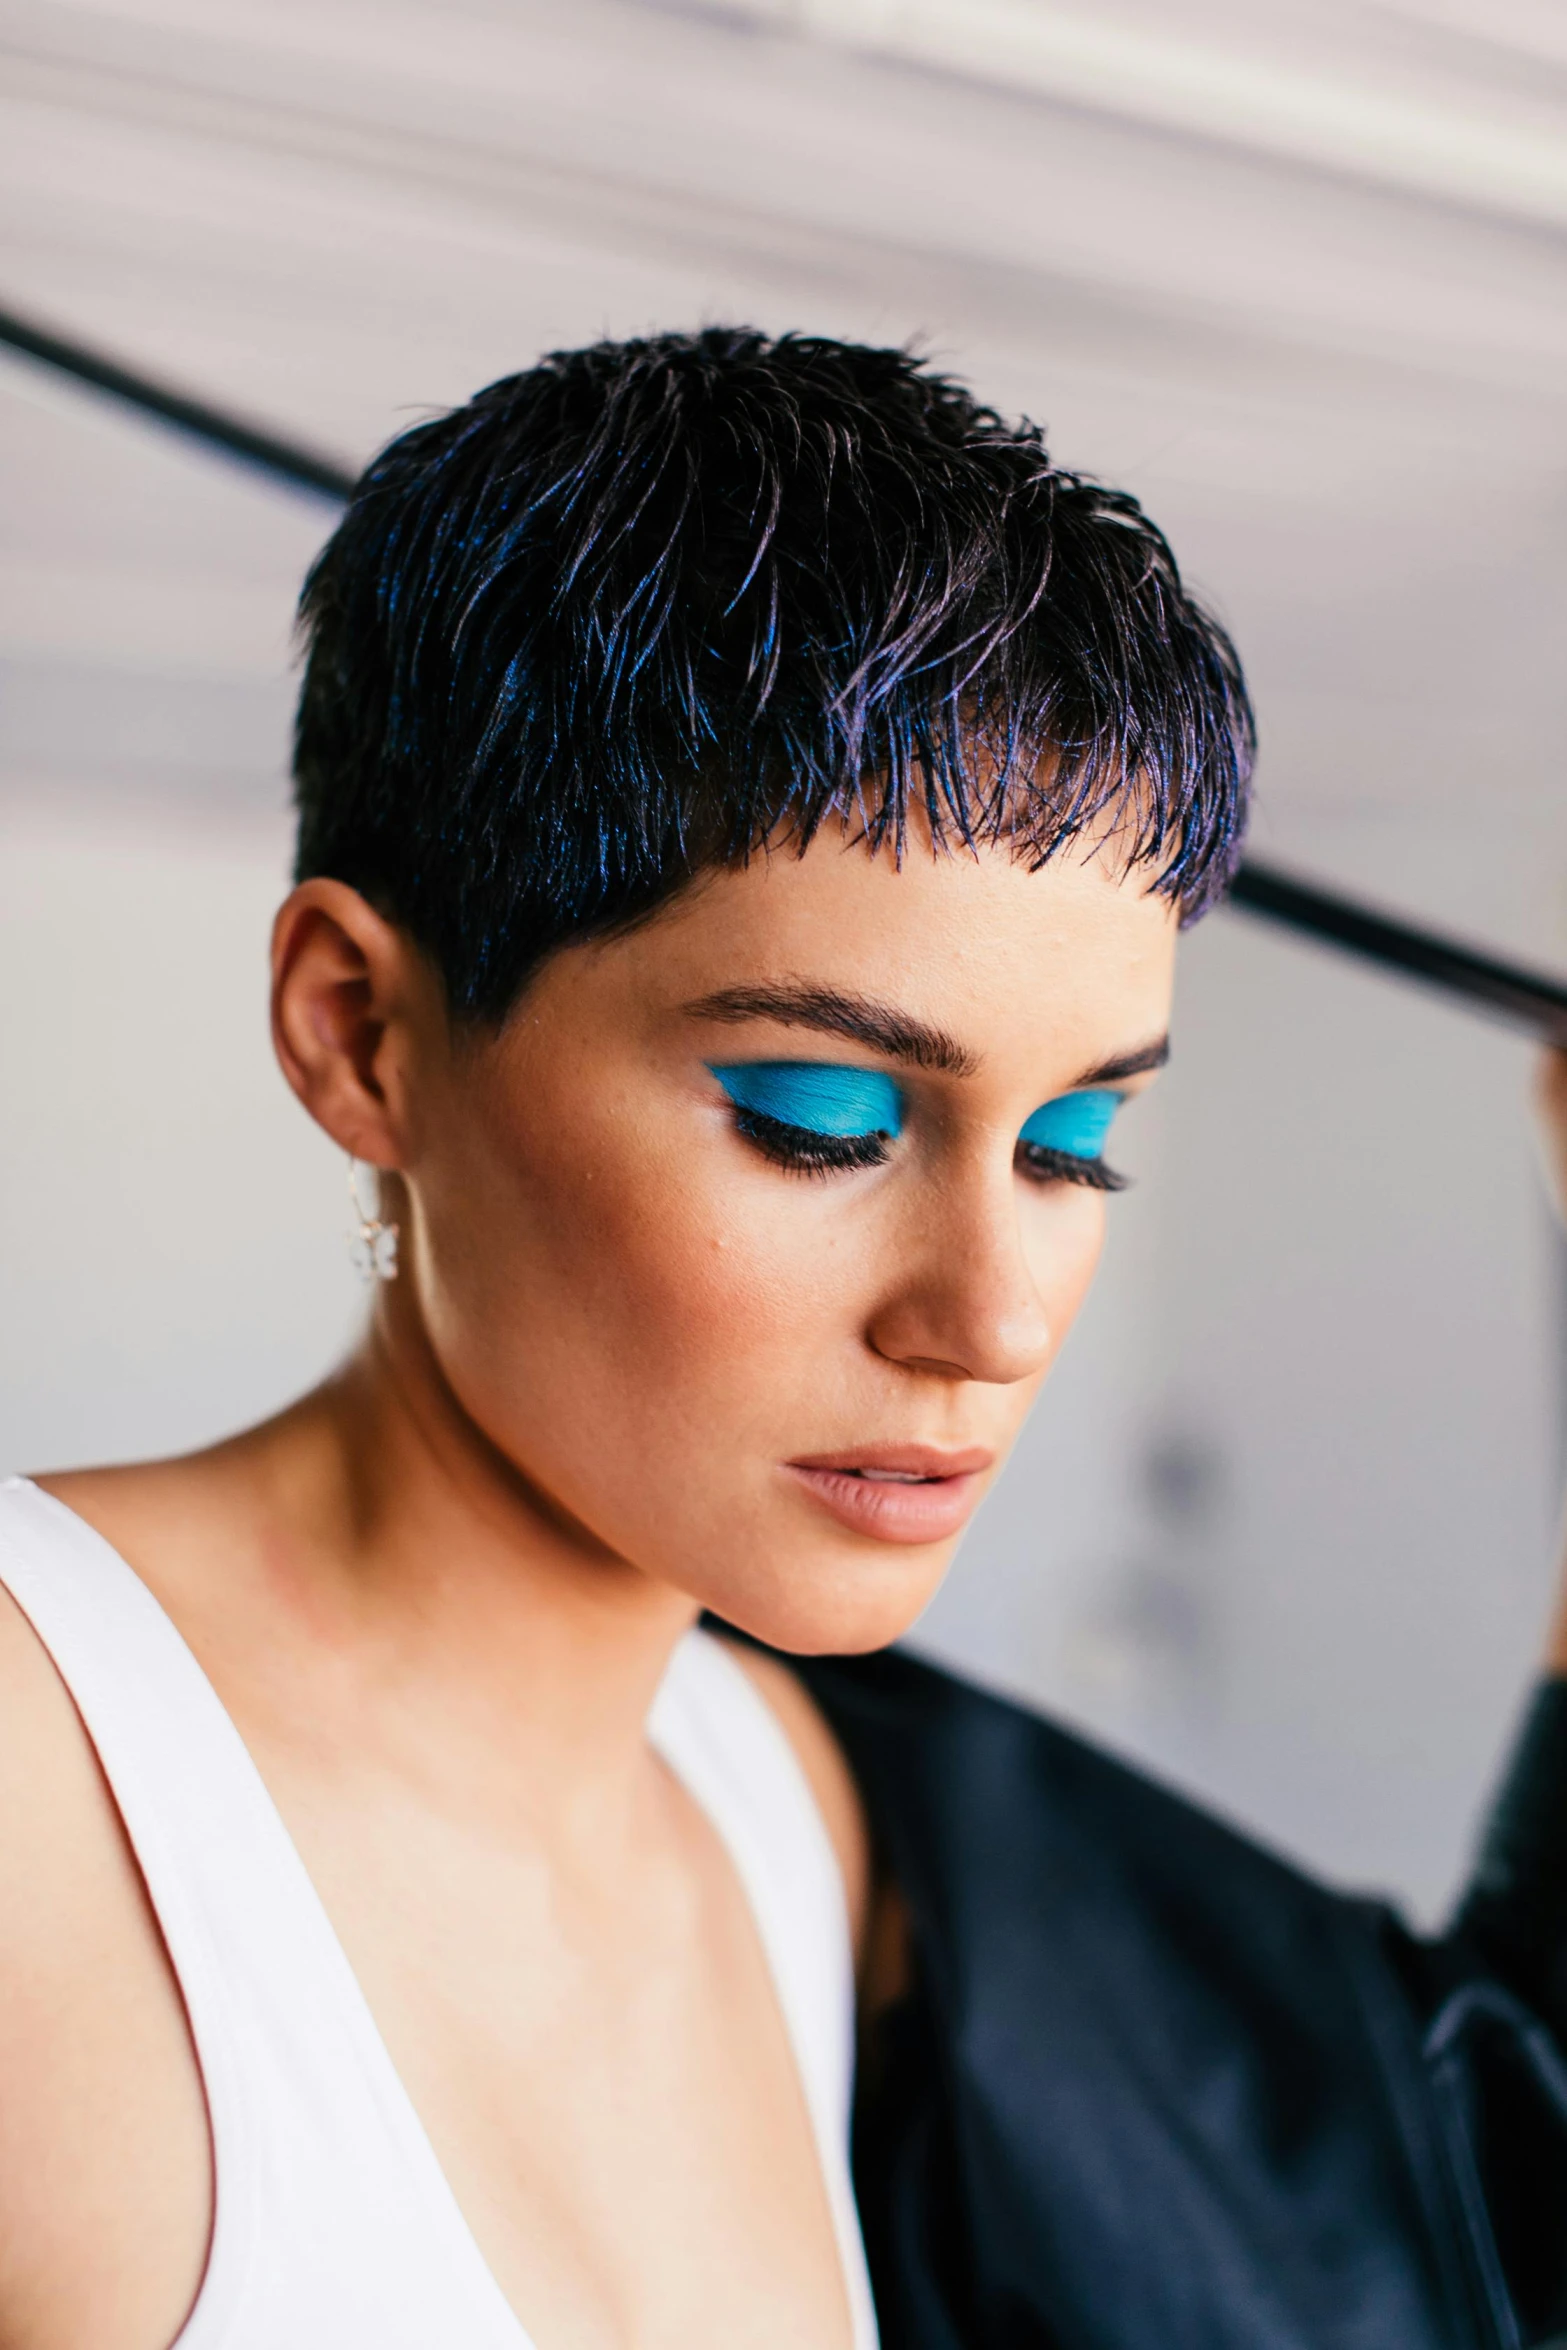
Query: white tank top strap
(724, 1743)
(334, 2224)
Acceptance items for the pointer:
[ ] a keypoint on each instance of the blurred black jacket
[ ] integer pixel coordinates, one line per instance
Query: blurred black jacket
(1153, 2089)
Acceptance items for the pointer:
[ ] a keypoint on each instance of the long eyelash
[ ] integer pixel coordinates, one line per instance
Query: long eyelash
(1048, 1166)
(805, 1153)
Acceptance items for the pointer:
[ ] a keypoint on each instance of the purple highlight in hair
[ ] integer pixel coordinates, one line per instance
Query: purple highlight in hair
(651, 604)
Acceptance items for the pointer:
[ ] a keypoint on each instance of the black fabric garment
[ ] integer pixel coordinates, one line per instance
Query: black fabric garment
(1515, 1910)
(1153, 2089)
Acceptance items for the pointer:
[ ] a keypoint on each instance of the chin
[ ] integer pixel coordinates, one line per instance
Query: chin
(832, 1604)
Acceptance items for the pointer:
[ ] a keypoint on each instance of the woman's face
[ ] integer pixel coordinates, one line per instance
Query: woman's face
(751, 1236)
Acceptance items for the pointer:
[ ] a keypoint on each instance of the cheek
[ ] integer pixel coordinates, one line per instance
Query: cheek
(613, 1268)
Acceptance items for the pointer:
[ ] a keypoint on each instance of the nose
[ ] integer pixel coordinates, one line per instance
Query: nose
(966, 1303)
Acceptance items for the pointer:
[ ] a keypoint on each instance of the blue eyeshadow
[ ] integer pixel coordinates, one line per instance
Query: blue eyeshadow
(819, 1096)
(1074, 1124)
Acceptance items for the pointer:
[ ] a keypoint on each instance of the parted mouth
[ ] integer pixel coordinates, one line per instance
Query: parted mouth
(905, 1493)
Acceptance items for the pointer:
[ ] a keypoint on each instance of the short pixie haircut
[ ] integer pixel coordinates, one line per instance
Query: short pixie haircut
(651, 605)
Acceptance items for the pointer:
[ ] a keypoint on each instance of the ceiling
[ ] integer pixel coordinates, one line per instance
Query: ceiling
(1298, 275)
(1440, 97)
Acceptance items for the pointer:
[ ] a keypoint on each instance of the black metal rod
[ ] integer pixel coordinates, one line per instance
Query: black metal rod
(1531, 1000)
(282, 460)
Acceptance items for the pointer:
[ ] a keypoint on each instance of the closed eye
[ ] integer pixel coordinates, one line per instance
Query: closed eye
(816, 1117)
(822, 1117)
(807, 1153)
(1063, 1142)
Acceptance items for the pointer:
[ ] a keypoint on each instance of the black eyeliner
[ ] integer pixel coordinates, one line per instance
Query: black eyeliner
(1047, 1166)
(803, 1151)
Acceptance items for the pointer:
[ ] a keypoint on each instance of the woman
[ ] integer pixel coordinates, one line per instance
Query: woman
(748, 801)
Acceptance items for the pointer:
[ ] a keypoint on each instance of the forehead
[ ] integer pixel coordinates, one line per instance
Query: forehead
(1078, 953)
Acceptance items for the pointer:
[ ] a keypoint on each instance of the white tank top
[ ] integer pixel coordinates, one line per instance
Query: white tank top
(334, 2226)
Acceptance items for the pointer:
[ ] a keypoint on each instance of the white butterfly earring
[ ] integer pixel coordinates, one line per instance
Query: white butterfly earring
(372, 1250)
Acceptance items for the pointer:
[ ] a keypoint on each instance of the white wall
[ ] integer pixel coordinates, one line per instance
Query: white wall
(173, 1264)
(1282, 1525)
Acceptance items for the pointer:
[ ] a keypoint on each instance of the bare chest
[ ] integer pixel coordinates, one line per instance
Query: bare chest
(606, 2077)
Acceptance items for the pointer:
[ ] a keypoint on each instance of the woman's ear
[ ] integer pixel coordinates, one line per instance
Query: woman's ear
(348, 989)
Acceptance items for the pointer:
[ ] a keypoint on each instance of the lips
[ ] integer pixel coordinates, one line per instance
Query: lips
(898, 1493)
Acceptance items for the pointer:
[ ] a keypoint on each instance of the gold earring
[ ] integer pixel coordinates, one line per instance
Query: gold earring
(372, 1250)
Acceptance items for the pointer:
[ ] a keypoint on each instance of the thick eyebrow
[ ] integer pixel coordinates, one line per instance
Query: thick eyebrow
(1148, 1056)
(859, 1018)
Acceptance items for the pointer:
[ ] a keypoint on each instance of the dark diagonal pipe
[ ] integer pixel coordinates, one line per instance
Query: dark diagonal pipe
(281, 460)
(1531, 1000)
(1524, 998)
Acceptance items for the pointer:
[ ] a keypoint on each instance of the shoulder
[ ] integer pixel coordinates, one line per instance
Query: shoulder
(826, 1768)
(149, 1511)
(1103, 1966)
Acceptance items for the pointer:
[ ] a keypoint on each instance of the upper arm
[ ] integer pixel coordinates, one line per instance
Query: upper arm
(104, 2162)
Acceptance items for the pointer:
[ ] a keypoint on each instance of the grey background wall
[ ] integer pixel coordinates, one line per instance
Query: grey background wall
(1283, 1523)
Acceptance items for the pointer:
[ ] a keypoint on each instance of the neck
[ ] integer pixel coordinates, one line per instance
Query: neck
(402, 1546)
